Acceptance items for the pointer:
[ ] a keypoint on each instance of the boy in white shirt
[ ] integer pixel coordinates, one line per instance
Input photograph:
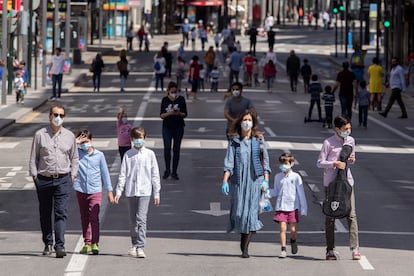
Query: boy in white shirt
(19, 85)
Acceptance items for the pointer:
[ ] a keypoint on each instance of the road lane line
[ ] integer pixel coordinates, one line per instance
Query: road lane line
(269, 130)
(365, 264)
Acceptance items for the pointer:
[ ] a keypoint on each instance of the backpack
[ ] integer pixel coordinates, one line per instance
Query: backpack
(157, 66)
(337, 203)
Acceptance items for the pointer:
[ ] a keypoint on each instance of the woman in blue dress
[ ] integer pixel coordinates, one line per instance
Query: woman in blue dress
(246, 165)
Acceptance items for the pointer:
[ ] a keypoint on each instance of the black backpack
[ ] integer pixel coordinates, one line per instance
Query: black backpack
(337, 202)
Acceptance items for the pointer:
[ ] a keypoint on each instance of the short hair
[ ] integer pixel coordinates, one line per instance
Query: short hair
(341, 120)
(375, 60)
(172, 84)
(345, 64)
(314, 77)
(138, 132)
(286, 157)
(56, 106)
(84, 132)
(239, 84)
(305, 60)
(328, 89)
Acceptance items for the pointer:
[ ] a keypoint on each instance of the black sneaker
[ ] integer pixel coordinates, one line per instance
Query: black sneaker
(403, 117)
(383, 114)
(47, 250)
(294, 247)
(60, 252)
(166, 175)
(175, 176)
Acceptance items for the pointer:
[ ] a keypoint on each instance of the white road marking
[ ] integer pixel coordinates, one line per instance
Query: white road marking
(314, 188)
(269, 130)
(340, 227)
(7, 145)
(365, 264)
(302, 172)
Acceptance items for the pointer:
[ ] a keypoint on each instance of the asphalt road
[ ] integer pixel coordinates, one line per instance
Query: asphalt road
(186, 233)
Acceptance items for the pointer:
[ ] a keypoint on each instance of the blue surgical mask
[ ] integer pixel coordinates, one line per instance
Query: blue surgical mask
(284, 167)
(138, 143)
(344, 134)
(85, 146)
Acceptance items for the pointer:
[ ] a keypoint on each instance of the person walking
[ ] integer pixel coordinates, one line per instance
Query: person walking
(290, 200)
(173, 111)
(194, 76)
(235, 63)
(397, 85)
(123, 132)
(357, 66)
(139, 177)
(247, 177)
(248, 61)
(97, 66)
(315, 90)
(181, 72)
(328, 160)
(92, 174)
(293, 69)
(253, 39)
(209, 60)
(129, 36)
(345, 81)
(19, 86)
(306, 72)
(56, 72)
(269, 72)
(329, 98)
(363, 103)
(159, 71)
(53, 165)
(122, 65)
(185, 30)
(168, 59)
(141, 36)
(375, 73)
(271, 38)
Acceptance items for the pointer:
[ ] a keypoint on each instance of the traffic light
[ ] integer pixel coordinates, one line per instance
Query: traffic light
(335, 7)
(387, 22)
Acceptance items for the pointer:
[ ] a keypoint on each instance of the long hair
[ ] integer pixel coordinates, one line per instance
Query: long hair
(236, 126)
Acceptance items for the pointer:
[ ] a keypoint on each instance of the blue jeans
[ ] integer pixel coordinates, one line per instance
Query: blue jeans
(159, 79)
(138, 210)
(53, 195)
(169, 134)
(346, 106)
(97, 80)
(57, 80)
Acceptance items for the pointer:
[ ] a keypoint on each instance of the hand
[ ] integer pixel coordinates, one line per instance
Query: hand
(340, 165)
(116, 199)
(351, 158)
(157, 201)
(225, 188)
(111, 197)
(265, 185)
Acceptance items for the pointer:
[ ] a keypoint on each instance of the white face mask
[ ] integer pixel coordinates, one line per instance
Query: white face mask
(236, 93)
(173, 95)
(246, 125)
(57, 121)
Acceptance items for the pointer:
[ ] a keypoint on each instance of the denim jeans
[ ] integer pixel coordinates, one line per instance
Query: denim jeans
(97, 80)
(53, 195)
(138, 210)
(346, 106)
(169, 134)
(57, 80)
(89, 207)
(363, 115)
(159, 79)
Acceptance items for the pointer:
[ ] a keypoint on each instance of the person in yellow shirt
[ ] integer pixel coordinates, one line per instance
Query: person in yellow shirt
(375, 73)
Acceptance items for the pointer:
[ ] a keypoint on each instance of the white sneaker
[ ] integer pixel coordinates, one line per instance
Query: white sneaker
(141, 253)
(132, 251)
(283, 254)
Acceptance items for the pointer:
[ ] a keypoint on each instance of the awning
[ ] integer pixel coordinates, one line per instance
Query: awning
(208, 3)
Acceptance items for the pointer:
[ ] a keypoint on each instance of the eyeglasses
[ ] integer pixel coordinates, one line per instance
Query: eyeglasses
(60, 115)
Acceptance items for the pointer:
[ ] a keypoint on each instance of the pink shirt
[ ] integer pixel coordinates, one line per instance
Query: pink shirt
(123, 132)
(330, 151)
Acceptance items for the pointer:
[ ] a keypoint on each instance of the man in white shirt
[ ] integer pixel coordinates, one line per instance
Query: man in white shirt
(56, 71)
(269, 21)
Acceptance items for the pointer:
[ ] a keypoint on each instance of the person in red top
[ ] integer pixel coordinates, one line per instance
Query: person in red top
(269, 71)
(248, 65)
(345, 81)
(123, 130)
(194, 76)
(141, 35)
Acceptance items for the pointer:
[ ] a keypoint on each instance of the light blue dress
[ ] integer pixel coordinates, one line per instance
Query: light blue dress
(245, 196)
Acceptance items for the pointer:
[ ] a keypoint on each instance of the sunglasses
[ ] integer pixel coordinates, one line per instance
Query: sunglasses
(60, 115)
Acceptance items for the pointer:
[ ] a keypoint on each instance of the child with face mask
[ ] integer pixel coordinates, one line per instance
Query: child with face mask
(290, 200)
(139, 162)
(93, 172)
(123, 129)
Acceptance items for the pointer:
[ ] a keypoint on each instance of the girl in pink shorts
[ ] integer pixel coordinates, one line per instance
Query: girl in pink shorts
(290, 199)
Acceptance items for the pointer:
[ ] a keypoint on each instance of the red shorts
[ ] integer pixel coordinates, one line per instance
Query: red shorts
(282, 216)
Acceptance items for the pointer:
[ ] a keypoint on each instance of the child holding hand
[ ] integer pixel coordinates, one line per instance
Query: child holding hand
(290, 199)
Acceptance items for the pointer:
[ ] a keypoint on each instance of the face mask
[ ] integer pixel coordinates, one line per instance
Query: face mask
(344, 134)
(85, 146)
(57, 121)
(246, 125)
(138, 143)
(236, 93)
(173, 95)
(284, 167)
(124, 120)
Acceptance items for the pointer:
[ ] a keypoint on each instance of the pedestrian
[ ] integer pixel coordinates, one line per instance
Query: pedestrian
(173, 111)
(56, 72)
(139, 177)
(363, 103)
(181, 71)
(123, 132)
(181, 52)
(123, 68)
(25, 73)
(93, 173)
(235, 105)
(357, 66)
(54, 163)
(256, 72)
(329, 98)
(147, 42)
(290, 200)
(209, 60)
(141, 36)
(375, 73)
(97, 66)
(148, 20)
(253, 39)
(315, 90)
(201, 78)
(129, 36)
(168, 59)
(248, 68)
(193, 34)
(235, 63)
(217, 40)
(293, 69)
(345, 81)
(214, 79)
(185, 29)
(194, 76)
(269, 72)
(328, 160)
(269, 22)
(203, 37)
(247, 176)
(271, 38)
(306, 72)
(159, 71)
(397, 85)
(19, 87)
